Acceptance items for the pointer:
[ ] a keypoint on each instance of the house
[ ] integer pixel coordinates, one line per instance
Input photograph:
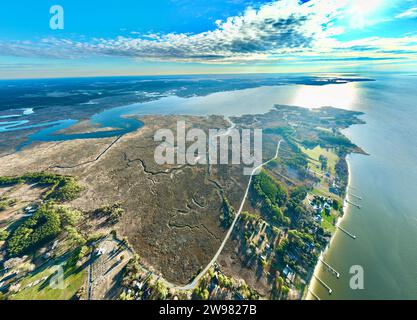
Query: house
(100, 251)
(318, 209)
(289, 274)
(30, 209)
(309, 246)
(334, 190)
(55, 244)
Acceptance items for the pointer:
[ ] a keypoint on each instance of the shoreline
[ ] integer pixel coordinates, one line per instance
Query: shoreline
(310, 294)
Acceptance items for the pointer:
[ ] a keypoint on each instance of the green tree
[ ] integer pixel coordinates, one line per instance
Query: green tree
(74, 237)
(43, 226)
(69, 217)
(4, 234)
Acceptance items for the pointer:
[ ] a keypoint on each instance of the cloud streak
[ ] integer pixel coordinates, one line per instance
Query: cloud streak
(408, 14)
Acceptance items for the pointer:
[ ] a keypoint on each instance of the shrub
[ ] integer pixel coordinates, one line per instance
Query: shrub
(112, 213)
(75, 238)
(69, 216)
(66, 190)
(4, 234)
(62, 188)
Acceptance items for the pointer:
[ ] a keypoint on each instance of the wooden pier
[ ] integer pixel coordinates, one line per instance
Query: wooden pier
(334, 271)
(353, 204)
(346, 232)
(314, 295)
(324, 284)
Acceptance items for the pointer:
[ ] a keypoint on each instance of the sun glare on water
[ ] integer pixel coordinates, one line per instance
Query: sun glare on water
(334, 95)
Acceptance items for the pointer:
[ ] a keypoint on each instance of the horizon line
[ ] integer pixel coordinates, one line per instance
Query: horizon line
(204, 74)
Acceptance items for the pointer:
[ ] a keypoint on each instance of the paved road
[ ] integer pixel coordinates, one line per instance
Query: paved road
(196, 280)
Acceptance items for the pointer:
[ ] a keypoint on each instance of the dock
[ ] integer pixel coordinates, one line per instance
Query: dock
(347, 232)
(353, 204)
(324, 284)
(334, 271)
(314, 295)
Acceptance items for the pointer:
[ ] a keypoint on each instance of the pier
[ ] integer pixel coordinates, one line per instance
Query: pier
(324, 284)
(314, 295)
(347, 232)
(353, 204)
(334, 271)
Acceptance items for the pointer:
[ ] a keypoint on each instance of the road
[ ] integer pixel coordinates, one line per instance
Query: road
(197, 279)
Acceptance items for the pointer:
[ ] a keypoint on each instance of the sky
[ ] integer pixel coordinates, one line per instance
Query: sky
(154, 37)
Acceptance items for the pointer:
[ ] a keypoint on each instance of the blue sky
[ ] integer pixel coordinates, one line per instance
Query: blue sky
(128, 37)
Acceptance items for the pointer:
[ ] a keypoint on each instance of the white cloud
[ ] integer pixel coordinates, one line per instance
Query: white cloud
(408, 14)
(283, 26)
(274, 33)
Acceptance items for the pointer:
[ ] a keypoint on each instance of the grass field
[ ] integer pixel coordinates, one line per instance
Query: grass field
(314, 154)
(74, 278)
(327, 222)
